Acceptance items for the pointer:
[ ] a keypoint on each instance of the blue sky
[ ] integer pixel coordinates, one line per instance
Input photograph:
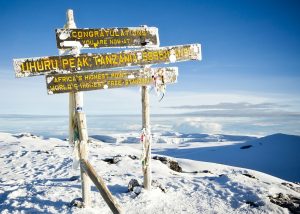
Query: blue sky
(251, 52)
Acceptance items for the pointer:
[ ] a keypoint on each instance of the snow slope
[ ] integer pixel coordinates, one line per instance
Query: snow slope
(36, 177)
(275, 154)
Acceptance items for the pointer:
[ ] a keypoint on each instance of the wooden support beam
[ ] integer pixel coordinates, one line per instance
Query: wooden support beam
(99, 182)
(147, 140)
(83, 155)
(71, 118)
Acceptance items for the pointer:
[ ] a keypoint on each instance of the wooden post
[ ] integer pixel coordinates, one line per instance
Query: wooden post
(77, 121)
(70, 25)
(71, 118)
(99, 182)
(147, 139)
(83, 155)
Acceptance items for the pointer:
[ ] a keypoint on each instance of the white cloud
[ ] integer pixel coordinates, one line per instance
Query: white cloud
(198, 125)
(183, 98)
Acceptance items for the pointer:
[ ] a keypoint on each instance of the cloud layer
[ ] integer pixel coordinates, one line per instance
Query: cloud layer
(197, 125)
(231, 106)
(240, 109)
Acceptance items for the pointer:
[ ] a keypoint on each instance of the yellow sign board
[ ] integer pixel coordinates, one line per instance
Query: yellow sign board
(86, 62)
(86, 81)
(107, 37)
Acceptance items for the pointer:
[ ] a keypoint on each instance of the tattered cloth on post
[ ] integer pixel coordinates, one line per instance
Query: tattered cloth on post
(75, 145)
(76, 140)
(159, 83)
(145, 140)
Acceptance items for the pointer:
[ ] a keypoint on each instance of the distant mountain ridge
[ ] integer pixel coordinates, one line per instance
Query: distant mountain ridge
(277, 138)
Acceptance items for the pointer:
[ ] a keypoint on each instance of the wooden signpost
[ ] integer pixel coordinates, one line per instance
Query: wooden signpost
(87, 81)
(78, 135)
(65, 75)
(107, 37)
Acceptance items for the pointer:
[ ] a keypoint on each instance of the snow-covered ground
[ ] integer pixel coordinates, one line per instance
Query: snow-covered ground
(36, 174)
(274, 154)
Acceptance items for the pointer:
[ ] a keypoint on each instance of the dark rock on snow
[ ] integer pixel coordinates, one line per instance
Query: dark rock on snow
(287, 201)
(133, 157)
(113, 160)
(248, 175)
(173, 165)
(133, 183)
(296, 188)
(77, 202)
(155, 183)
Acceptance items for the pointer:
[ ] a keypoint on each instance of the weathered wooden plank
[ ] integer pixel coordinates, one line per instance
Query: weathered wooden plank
(146, 162)
(85, 62)
(86, 81)
(83, 155)
(107, 37)
(100, 184)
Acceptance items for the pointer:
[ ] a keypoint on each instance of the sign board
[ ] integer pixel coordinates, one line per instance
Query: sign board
(87, 81)
(84, 62)
(107, 37)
